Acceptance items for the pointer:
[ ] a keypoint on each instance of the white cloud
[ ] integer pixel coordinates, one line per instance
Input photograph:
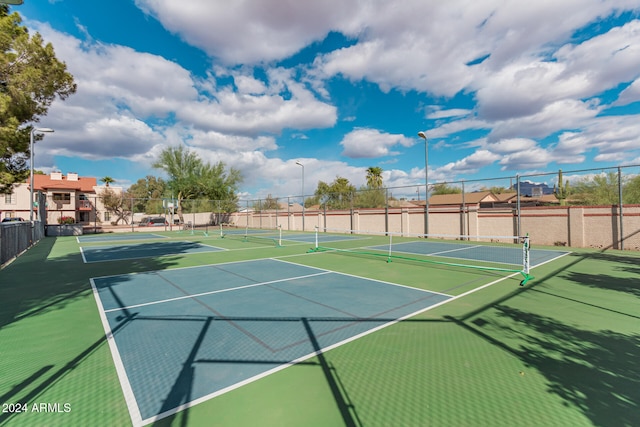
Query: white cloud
(251, 31)
(530, 84)
(115, 94)
(371, 143)
(533, 158)
(508, 146)
(630, 94)
(551, 118)
(443, 114)
(468, 165)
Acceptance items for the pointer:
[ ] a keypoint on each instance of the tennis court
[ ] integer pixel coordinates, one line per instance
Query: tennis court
(236, 323)
(473, 252)
(280, 238)
(325, 329)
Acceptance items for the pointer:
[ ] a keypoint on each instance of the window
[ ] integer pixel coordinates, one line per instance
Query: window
(65, 198)
(10, 199)
(107, 216)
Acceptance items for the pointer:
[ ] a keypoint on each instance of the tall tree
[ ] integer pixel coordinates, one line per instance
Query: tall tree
(597, 190)
(117, 204)
(269, 203)
(107, 180)
(373, 195)
(190, 178)
(31, 77)
(631, 190)
(147, 194)
(337, 195)
(444, 188)
(374, 177)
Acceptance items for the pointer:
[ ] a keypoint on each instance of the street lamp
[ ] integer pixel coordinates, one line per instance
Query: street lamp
(426, 181)
(33, 131)
(300, 164)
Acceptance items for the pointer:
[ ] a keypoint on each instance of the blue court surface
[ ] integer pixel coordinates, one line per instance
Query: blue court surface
(470, 251)
(142, 250)
(179, 337)
(118, 237)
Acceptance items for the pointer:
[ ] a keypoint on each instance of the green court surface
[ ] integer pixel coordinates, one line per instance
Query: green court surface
(264, 335)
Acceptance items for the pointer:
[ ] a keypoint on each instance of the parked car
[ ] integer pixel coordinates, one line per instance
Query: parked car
(14, 219)
(153, 221)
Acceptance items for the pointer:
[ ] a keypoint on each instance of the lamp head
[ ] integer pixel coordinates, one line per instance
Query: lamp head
(43, 130)
(422, 135)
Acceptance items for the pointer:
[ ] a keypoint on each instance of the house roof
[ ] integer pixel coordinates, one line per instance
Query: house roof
(456, 199)
(44, 182)
(506, 197)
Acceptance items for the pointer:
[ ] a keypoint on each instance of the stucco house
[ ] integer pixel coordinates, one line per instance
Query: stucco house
(67, 195)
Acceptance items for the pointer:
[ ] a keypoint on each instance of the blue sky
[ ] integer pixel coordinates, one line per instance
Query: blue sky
(500, 87)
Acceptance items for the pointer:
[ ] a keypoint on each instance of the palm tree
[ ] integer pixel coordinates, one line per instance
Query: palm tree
(374, 177)
(107, 180)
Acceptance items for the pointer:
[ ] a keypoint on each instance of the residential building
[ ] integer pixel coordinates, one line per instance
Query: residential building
(67, 195)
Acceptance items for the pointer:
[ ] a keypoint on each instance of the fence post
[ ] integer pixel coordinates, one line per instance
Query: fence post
(464, 213)
(620, 210)
(351, 225)
(386, 211)
(518, 205)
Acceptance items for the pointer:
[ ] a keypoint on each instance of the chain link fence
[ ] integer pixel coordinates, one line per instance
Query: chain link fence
(583, 208)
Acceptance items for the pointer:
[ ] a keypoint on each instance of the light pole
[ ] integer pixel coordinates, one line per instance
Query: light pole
(33, 131)
(300, 164)
(426, 181)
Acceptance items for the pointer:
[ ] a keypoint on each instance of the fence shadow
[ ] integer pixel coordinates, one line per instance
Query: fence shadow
(35, 282)
(593, 370)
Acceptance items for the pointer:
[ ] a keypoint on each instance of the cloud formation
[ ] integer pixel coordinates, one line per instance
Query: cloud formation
(538, 80)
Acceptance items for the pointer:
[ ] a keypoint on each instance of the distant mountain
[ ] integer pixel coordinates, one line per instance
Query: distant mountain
(528, 189)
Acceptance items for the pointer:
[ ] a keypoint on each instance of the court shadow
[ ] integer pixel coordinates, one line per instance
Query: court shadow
(630, 285)
(595, 371)
(46, 377)
(121, 252)
(590, 369)
(175, 408)
(37, 282)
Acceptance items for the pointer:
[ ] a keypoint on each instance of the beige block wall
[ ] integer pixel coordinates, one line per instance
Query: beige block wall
(576, 226)
(338, 220)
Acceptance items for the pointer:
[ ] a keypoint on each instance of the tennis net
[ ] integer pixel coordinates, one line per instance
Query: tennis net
(263, 236)
(509, 254)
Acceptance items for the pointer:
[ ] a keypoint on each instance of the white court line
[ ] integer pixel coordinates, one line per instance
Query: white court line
(127, 390)
(368, 278)
(84, 259)
(126, 386)
(454, 250)
(310, 355)
(215, 292)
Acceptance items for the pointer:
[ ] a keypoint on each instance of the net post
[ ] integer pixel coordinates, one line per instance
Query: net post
(279, 235)
(526, 263)
(316, 229)
(390, 244)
